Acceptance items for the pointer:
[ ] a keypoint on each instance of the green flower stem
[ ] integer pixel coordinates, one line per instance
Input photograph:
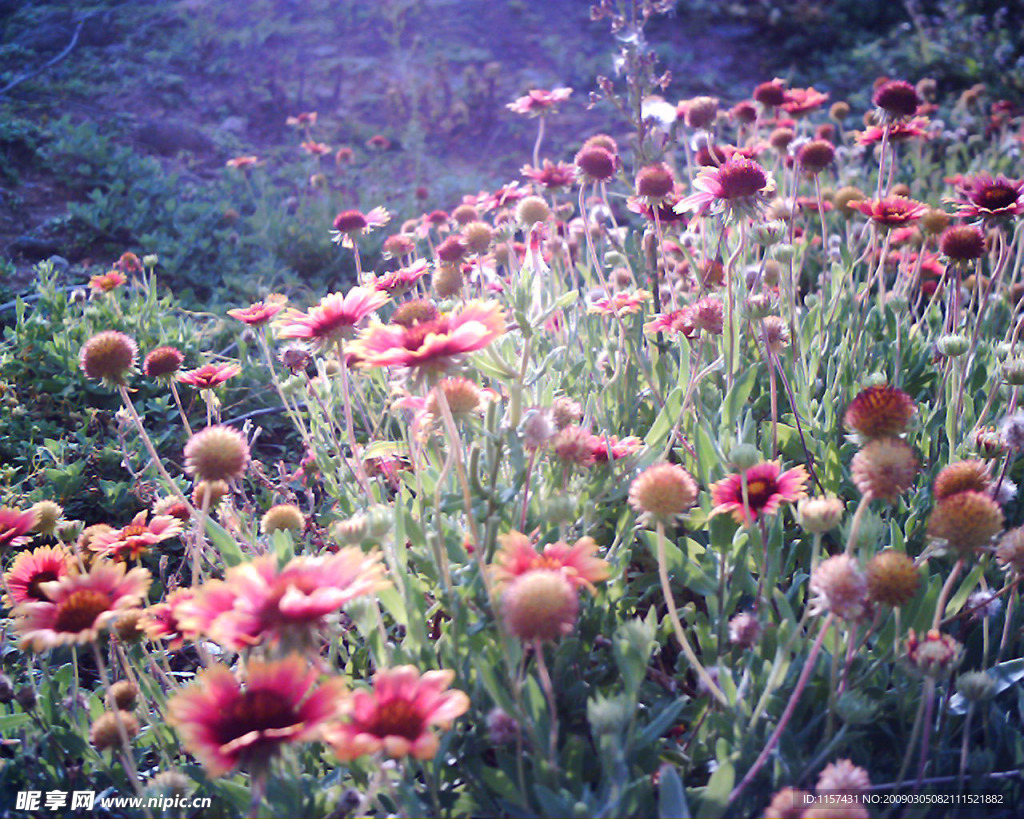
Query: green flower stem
(858, 517)
(549, 694)
(148, 443)
(684, 643)
(794, 699)
(126, 746)
(947, 589)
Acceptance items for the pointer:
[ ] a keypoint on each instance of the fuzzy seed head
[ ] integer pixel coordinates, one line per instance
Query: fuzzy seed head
(663, 492)
(819, 515)
(448, 280)
(104, 733)
(744, 630)
(879, 412)
(844, 199)
(478, 236)
(701, 112)
(655, 181)
(163, 362)
(123, 695)
(539, 605)
(884, 469)
(464, 214)
(966, 521)
(897, 98)
(531, 210)
(565, 412)
(451, 250)
(109, 355)
(780, 138)
(48, 515)
(128, 627)
(843, 776)
(283, 517)
(892, 578)
(962, 243)
(217, 453)
(816, 155)
(209, 493)
(840, 587)
(935, 221)
(1010, 552)
(974, 474)
(596, 164)
(839, 111)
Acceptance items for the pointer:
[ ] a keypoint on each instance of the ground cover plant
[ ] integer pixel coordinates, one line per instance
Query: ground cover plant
(676, 477)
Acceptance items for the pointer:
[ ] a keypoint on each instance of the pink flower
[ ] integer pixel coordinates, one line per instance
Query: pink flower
(351, 223)
(30, 570)
(578, 563)
(160, 621)
(105, 282)
(893, 211)
(800, 101)
(260, 312)
(79, 606)
(987, 197)
(397, 715)
(898, 132)
(551, 175)
(620, 304)
(209, 376)
(435, 342)
(538, 102)
(740, 185)
(397, 282)
(768, 487)
(15, 526)
(135, 539)
(256, 601)
(224, 724)
(612, 448)
(334, 318)
(243, 163)
(677, 322)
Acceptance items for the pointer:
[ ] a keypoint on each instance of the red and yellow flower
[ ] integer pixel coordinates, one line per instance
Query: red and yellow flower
(435, 342)
(578, 563)
(260, 312)
(209, 375)
(16, 526)
(225, 723)
(768, 487)
(132, 541)
(397, 716)
(334, 318)
(30, 570)
(79, 606)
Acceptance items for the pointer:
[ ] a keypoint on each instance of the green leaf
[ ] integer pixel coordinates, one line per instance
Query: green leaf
(671, 796)
(227, 547)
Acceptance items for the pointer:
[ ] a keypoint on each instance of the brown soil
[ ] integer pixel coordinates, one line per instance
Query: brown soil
(200, 81)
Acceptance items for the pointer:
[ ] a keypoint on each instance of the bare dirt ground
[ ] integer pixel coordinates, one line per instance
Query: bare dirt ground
(199, 81)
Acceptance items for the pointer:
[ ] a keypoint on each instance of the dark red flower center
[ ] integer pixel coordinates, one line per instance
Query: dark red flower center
(32, 588)
(760, 491)
(257, 710)
(996, 196)
(417, 333)
(349, 221)
(741, 178)
(399, 718)
(80, 610)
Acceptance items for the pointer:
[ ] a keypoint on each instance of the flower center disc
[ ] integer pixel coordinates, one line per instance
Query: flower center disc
(80, 610)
